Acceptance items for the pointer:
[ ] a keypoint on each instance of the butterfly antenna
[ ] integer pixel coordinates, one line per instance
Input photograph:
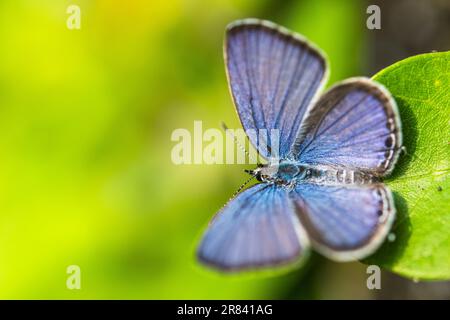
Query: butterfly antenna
(234, 195)
(241, 187)
(240, 146)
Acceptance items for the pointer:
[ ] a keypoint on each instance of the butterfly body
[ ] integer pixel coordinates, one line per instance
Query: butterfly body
(288, 173)
(322, 184)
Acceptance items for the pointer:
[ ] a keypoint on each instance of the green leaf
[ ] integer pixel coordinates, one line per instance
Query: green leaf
(420, 181)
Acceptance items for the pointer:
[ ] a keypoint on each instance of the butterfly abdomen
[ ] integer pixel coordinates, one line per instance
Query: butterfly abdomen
(336, 176)
(289, 173)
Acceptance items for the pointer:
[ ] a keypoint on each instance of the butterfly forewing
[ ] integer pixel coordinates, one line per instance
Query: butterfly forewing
(273, 76)
(258, 228)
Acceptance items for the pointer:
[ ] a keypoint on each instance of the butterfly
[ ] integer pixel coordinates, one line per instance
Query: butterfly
(323, 188)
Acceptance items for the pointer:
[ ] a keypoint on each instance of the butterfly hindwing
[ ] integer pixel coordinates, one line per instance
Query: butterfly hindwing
(354, 125)
(258, 228)
(344, 222)
(273, 75)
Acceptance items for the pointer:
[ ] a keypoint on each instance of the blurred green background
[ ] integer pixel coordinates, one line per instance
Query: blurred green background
(86, 117)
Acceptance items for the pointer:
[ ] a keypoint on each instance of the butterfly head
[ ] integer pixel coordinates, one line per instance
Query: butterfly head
(282, 173)
(264, 173)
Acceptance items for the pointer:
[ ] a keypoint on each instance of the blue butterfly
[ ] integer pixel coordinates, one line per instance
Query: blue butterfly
(323, 189)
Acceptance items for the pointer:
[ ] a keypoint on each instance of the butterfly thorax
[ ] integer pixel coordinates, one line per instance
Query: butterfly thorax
(290, 173)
